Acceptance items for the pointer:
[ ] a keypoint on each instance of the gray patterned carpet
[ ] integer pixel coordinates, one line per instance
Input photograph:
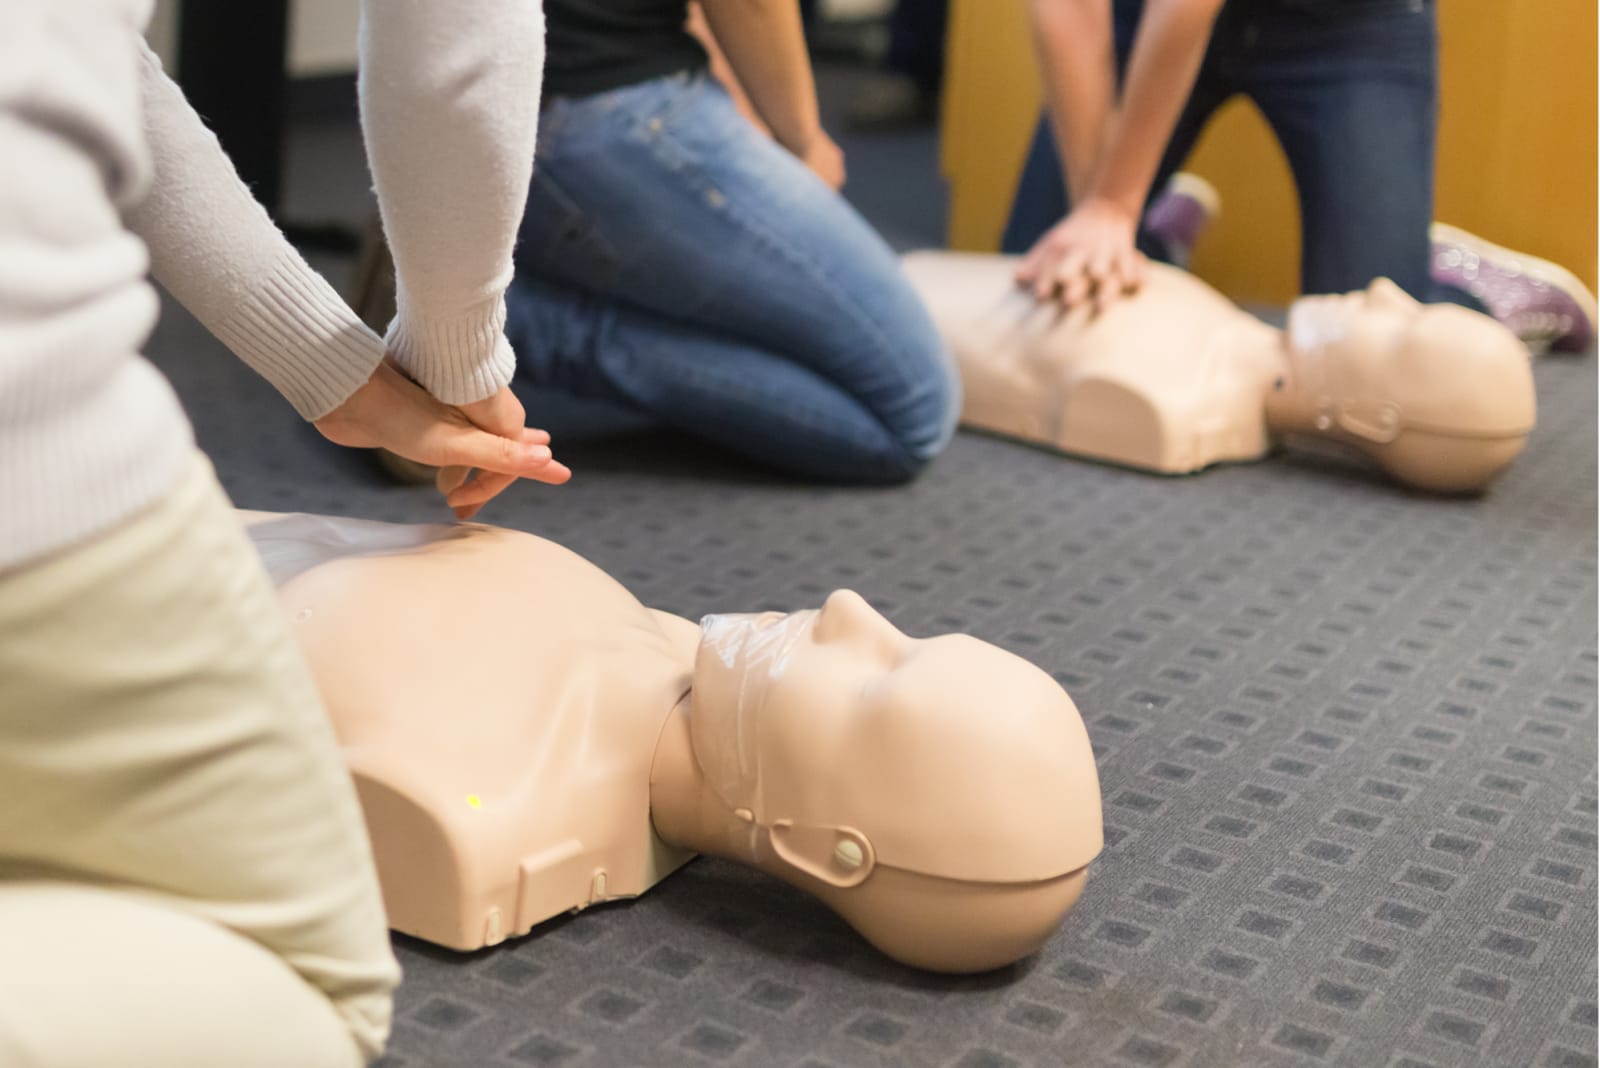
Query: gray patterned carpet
(1346, 737)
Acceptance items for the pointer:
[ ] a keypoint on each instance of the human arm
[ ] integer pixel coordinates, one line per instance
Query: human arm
(765, 46)
(696, 25)
(1073, 40)
(1091, 252)
(213, 247)
(449, 98)
(218, 253)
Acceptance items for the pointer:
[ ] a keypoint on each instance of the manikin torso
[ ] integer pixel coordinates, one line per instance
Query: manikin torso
(1171, 380)
(531, 739)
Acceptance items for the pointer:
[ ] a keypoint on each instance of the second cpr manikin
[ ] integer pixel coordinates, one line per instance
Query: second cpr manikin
(527, 738)
(1175, 377)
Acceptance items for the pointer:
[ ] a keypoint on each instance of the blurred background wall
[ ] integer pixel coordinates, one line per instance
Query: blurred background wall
(322, 35)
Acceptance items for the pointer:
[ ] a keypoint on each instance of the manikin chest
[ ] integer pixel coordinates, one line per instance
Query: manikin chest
(497, 701)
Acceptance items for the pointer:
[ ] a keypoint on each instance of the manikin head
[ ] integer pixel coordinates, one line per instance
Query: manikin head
(939, 794)
(1440, 396)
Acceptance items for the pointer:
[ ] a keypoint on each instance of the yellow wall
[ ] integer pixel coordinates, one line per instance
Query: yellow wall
(1517, 140)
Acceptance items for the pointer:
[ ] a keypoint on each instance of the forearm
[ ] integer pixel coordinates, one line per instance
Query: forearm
(214, 248)
(1076, 57)
(765, 45)
(1167, 52)
(450, 104)
(720, 70)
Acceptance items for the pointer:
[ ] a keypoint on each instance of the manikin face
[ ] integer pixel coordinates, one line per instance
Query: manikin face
(1375, 315)
(944, 756)
(1376, 362)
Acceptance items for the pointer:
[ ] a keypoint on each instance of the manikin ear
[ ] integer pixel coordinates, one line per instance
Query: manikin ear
(838, 856)
(1378, 423)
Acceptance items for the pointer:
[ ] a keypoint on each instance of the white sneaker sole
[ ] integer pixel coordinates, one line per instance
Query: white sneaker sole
(1197, 189)
(1551, 274)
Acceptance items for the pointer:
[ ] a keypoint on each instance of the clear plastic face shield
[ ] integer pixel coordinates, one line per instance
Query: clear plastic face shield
(748, 652)
(1342, 350)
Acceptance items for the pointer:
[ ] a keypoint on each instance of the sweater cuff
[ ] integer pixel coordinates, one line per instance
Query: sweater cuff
(459, 359)
(298, 334)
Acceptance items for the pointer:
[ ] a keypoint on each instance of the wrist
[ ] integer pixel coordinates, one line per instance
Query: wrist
(458, 358)
(798, 139)
(1128, 204)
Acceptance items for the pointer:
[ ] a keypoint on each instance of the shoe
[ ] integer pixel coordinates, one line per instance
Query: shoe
(1181, 212)
(1541, 302)
(372, 295)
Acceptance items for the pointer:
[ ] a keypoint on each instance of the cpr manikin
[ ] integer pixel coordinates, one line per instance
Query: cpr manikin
(1175, 378)
(526, 739)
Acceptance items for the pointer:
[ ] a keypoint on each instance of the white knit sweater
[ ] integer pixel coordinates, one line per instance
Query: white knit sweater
(101, 159)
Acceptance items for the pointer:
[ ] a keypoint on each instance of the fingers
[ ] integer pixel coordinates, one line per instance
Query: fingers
(500, 413)
(1098, 276)
(495, 463)
(1109, 281)
(1124, 275)
(466, 499)
(554, 473)
(451, 478)
(1072, 279)
(1039, 259)
(467, 446)
(1139, 270)
(1027, 270)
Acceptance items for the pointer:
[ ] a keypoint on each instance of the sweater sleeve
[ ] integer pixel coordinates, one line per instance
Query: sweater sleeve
(215, 249)
(450, 107)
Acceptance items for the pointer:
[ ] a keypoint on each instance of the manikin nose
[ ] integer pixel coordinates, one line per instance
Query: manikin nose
(1386, 293)
(847, 617)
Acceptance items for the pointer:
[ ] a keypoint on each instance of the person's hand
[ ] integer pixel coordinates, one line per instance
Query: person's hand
(825, 159)
(1088, 256)
(465, 490)
(392, 412)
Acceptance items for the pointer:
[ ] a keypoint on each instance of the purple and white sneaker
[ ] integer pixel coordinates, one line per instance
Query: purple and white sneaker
(1541, 302)
(1181, 213)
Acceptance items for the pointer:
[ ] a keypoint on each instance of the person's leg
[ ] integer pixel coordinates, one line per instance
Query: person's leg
(1041, 198)
(92, 977)
(733, 394)
(680, 220)
(160, 733)
(1353, 98)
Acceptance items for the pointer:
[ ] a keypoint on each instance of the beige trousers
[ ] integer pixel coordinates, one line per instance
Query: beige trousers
(185, 879)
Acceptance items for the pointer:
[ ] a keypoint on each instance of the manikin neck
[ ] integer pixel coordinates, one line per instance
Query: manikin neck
(1290, 403)
(684, 809)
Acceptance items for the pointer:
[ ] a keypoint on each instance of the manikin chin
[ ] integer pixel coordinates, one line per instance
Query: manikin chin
(527, 739)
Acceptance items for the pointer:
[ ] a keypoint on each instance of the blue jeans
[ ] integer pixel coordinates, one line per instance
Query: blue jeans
(1350, 88)
(675, 261)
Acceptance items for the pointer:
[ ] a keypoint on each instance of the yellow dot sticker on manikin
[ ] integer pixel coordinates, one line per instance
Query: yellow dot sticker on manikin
(474, 800)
